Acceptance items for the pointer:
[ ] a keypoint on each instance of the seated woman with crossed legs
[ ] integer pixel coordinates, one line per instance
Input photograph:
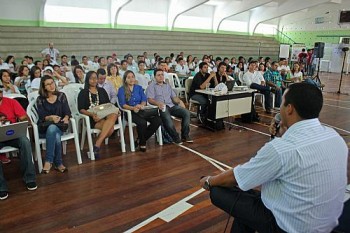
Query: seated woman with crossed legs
(52, 106)
(132, 97)
(91, 96)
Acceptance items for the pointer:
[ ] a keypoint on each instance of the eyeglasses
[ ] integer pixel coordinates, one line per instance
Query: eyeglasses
(49, 84)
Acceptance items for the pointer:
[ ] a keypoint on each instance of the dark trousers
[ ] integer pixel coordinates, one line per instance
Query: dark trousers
(249, 212)
(144, 132)
(25, 156)
(265, 90)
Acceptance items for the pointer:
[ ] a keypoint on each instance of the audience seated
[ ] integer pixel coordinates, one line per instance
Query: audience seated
(114, 77)
(91, 96)
(10, 61)
(161, 94)
(52, 106)
(79, 74)
(22, 79)
(123, 67)
(13, 111)
(3, 65)
(253, 79)
(221, 75)
(201, 81)
(274, 79)
(108, 86)
(181, 68)
(132, 97)
(8, 87)
(143, 79)
(296, 75)
(35, 78)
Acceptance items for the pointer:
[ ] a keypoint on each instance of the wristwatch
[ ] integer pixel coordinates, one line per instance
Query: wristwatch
(206, 185)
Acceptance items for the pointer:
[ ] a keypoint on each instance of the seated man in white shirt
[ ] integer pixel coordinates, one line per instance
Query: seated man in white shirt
(254, 80)
(302, 174)
(181, 68)
(283, 65)
(142, 78)
(123, 67)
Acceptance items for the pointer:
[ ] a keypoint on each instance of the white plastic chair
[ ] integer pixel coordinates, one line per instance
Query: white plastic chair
(188, 84)
(175, 83)
(87, 130)
(131, 132)
(70, 134)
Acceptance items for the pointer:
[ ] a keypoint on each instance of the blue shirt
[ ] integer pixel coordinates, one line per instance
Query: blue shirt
(137, 96)
(303, 176)
(161, 93)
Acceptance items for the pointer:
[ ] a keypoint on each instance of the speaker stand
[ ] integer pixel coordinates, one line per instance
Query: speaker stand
(316, 78)
(341, 74)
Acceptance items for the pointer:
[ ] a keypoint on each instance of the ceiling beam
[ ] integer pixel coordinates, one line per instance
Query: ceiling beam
(178, 7)
(116, 6)
(233, 8)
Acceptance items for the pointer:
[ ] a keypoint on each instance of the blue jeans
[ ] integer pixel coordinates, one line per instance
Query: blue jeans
(53, 145)
(265, 90)
(26, 162)
(278, 98)
(203, 102)
(168, 123)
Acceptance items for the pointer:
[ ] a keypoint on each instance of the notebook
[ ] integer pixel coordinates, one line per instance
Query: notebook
(13, 131)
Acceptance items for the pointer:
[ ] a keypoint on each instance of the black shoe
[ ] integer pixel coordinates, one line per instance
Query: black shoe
(31, 186)
(256, 119)
(97, 152)
(3, 195)
(187, 139)
(178, 141)
(143, 148)
(273, 90)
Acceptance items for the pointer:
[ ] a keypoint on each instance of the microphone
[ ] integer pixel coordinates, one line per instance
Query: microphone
(277, 124)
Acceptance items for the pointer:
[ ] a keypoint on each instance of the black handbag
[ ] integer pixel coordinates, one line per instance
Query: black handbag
(42, 126)
(148, 112)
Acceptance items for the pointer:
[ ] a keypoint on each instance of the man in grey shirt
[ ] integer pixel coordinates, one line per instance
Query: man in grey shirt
(161, 94)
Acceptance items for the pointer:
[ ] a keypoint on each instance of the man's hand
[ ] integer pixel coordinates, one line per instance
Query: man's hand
(203, 181)
(273, 129)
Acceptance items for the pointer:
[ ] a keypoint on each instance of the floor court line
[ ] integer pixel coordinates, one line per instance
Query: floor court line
(335, 106)
(345, 101)
(181, 206)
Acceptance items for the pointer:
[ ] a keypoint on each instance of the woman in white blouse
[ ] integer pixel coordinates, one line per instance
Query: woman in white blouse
(296, 75)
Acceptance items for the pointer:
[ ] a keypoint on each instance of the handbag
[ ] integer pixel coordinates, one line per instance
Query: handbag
(42, 126)
(104, 110)
(148, 111)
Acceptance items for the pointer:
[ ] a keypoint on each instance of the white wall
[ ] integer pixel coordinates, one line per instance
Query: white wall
(20, 10)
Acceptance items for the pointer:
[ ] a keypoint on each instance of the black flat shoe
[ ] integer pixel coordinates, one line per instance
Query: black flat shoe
(143, 148)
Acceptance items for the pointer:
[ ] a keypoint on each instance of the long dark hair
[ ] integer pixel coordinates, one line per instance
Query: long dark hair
(75, 73)
(32, 72)
(2, 72)
(126, 87)
(42, 91)
(87, 77)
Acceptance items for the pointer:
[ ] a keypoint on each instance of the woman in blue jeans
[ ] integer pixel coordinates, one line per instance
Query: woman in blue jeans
(52, 106)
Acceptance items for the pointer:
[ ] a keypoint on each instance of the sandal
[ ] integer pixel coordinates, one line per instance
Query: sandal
(62, 170)
(46, 171)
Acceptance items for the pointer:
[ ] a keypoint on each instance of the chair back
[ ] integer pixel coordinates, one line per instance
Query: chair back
(32, 96)
(72, 91)
(188, 84)
(170, 78)
(240, 77)
(32, 112)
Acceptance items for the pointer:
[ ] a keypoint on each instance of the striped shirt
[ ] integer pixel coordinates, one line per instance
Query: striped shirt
(303, 176)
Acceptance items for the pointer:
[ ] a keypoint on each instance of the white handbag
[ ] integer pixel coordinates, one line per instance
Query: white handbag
(104, 110)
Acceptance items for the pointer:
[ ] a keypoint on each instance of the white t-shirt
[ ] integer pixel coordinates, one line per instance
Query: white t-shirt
(143, 80)
(255, 77)
(35, 84)
(284, 67)
(182, 70)
(4, 66)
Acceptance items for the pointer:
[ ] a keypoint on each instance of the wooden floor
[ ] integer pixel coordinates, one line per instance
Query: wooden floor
(122, 190)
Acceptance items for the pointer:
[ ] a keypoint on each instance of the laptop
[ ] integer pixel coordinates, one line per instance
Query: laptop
(13, 131)
(230, 84)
